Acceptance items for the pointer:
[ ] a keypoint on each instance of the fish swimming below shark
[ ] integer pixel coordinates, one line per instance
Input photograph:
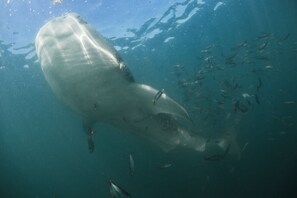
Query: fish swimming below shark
(86, 73)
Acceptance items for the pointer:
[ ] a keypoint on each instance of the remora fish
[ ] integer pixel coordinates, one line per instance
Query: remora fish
(85, 71)
(157, 96)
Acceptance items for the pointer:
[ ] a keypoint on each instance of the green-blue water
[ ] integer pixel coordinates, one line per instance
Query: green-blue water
(232, 68)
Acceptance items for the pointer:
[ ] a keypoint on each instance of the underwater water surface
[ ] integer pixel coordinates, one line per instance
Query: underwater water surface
(231, 64)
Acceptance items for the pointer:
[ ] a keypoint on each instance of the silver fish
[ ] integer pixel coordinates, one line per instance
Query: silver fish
(131, 165)
(263, 45)
(115, 190)
(244, 147)
(166, 166)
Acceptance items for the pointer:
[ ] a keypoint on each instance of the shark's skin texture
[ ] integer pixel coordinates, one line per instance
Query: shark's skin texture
(85, 71)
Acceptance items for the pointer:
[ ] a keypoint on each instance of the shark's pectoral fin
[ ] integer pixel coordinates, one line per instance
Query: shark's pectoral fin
(158, 102)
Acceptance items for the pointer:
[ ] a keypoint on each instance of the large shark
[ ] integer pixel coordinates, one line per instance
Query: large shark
(85, 71)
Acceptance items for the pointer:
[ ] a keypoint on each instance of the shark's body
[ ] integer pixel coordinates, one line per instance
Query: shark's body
(86, 73)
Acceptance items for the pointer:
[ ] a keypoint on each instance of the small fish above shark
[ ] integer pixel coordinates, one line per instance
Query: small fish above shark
(85, 71)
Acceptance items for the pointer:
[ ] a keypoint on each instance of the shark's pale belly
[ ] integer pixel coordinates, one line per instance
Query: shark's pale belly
(87, 74)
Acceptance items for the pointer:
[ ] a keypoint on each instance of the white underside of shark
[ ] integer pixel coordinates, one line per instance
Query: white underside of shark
(84, 70)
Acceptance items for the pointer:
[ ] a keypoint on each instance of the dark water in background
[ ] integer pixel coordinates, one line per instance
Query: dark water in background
(213, 60)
